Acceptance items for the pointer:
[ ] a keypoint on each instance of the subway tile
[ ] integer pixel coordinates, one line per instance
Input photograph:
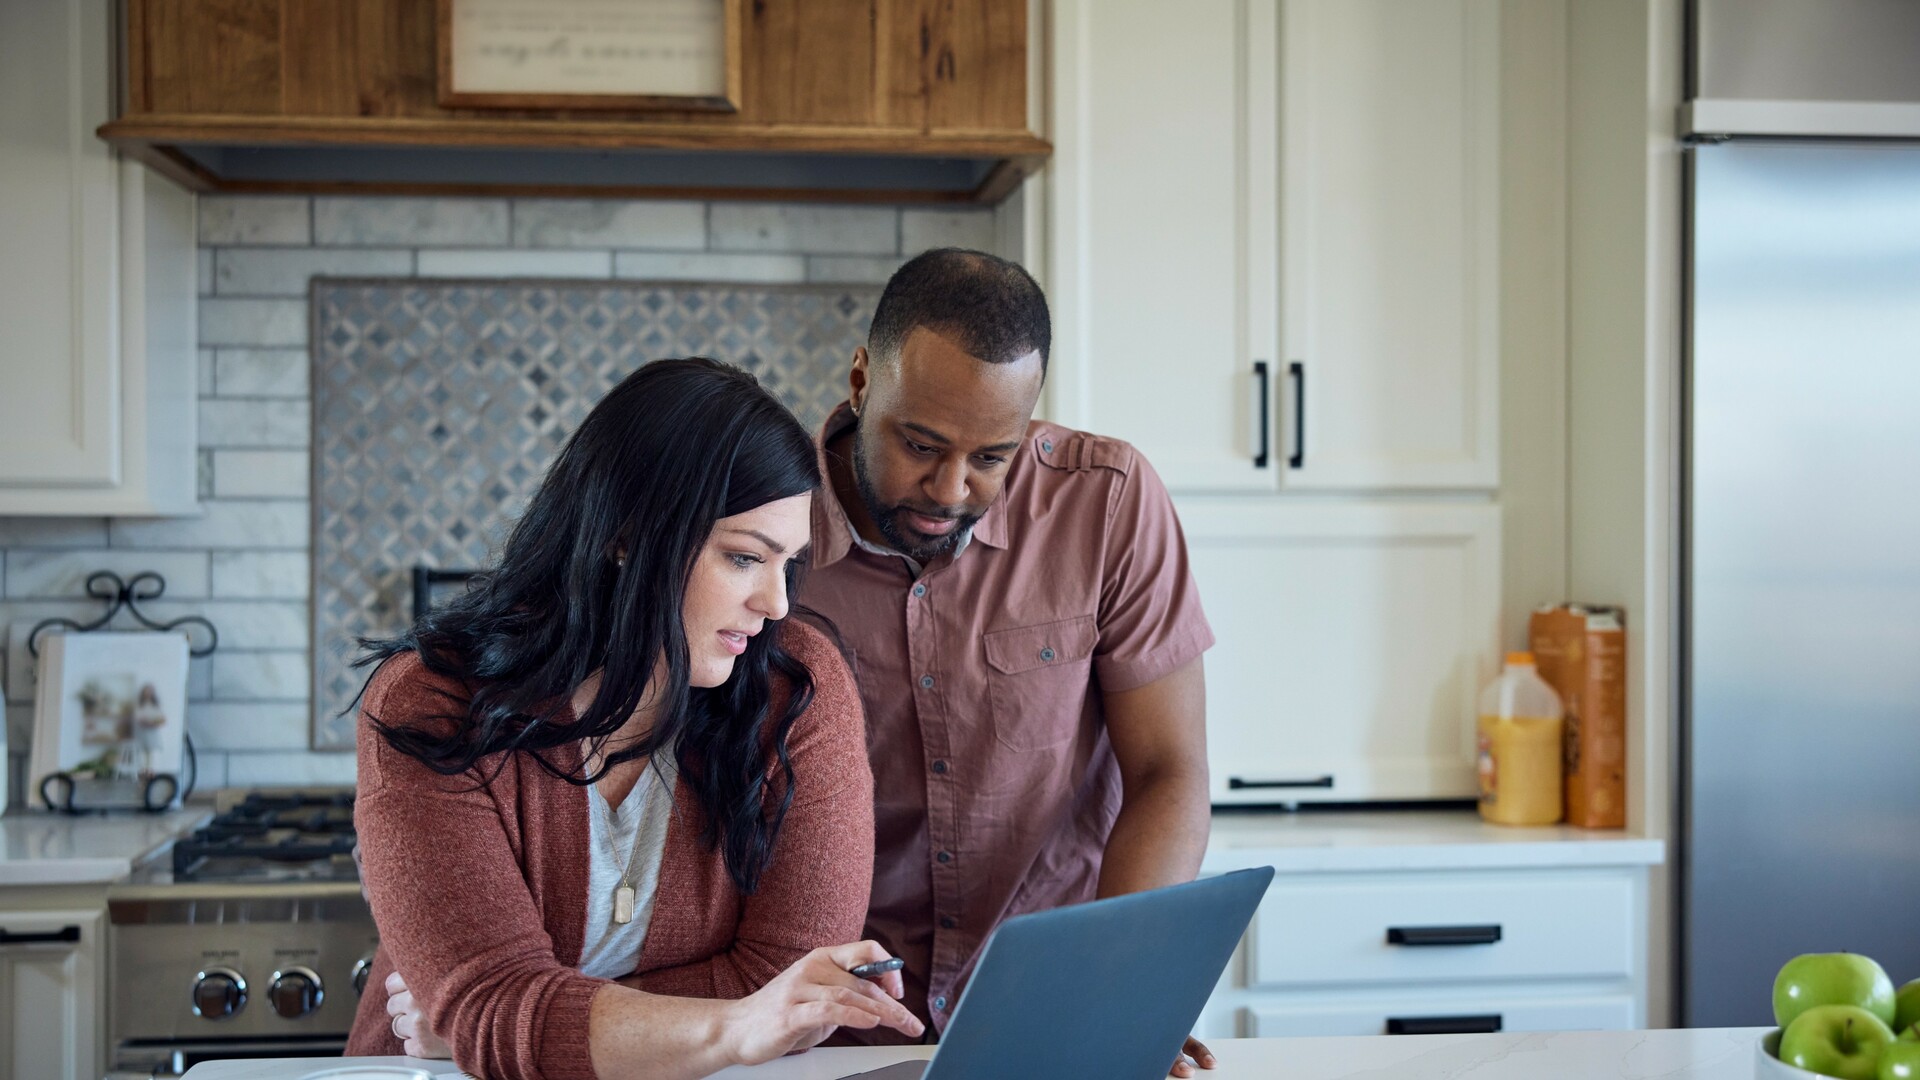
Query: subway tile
(254, 219)
(287, 271)
(20, 532)
(203, 463)
(851, 269)
(606, 223)
(410, 222)
(821, 230)
(209, 769)
(245, 624)
(230, 321)
(923, 229)
(199, 678)
(206, 372)
(269, 769)
(203, 272)
(262, 372)
(261, 676)
(230, 422)
(19, 720)
(54, 574)
(261, 574)
(674, 266)
(251, 725)
(240, 474)
(461, 262)
(225, 525)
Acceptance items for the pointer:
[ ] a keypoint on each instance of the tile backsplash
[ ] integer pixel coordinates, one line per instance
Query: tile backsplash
(244, 563)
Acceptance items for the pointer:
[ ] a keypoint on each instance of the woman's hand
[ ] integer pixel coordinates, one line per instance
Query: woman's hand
(409, 1024)
(805, 1003)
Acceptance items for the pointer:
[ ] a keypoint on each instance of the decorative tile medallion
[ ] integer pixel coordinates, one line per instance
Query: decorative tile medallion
(437, 406)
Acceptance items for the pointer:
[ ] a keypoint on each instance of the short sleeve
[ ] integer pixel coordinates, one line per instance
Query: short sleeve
(1150, 619)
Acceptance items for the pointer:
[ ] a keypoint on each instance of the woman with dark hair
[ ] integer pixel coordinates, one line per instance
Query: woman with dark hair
(613, 806)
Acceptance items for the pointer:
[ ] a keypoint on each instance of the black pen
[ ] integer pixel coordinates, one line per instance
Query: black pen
(877, 968)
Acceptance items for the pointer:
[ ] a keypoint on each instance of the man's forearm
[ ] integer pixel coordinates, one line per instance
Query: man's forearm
(1160, 835)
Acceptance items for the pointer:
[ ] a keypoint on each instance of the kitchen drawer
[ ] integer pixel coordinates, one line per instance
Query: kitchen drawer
(1335, 931)
(1430, 1014)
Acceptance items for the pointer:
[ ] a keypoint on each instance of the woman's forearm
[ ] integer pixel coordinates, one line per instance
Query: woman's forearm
(633, 1033)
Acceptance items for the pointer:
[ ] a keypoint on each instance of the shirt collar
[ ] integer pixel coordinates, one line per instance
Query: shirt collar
(833, 532)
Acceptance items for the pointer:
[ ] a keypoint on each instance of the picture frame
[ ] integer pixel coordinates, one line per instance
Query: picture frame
(109, 707)
(589, 54)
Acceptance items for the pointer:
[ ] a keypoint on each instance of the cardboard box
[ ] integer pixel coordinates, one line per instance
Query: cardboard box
(1581, 650)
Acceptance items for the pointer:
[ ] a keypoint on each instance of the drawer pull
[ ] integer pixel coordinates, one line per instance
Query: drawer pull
(1443, 935)
(48, 937)
(1443, 1025)
(1235, 783)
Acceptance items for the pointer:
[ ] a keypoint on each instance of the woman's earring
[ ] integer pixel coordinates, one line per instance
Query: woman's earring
(620, 561)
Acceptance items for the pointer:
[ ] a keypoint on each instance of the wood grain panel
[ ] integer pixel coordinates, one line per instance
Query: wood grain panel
(953, 64)
(319, 59)
(809, 61)
(213, 55)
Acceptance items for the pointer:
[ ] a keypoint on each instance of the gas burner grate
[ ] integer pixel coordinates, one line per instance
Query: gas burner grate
(267, 830)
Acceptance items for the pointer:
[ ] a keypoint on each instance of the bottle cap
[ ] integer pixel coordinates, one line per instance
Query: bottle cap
(1522, 658)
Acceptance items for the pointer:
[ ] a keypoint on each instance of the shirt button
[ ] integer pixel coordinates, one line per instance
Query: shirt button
(926, 682)
(940, 1003)
(1046, 447)
(920, 589)
(1047, 654)
(948, 922)
(945, 857)
(940, 767)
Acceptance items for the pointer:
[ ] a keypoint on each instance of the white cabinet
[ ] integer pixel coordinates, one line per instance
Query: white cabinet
(97, 265)
(1304, 186)
(1440, 950)
(52, 998)
(1352, 640)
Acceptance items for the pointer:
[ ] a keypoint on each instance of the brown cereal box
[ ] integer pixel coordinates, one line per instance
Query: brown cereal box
(1581, 650)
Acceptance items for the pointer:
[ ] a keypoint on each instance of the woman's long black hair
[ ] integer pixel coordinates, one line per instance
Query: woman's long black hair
(676, 446)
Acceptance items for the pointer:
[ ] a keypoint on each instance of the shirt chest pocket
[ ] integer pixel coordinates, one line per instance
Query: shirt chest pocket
(1038, 679)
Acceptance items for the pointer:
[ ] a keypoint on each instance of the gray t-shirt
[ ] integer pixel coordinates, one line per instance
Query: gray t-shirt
(637, 839)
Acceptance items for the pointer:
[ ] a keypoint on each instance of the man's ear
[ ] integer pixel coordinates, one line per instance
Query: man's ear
(858, 379)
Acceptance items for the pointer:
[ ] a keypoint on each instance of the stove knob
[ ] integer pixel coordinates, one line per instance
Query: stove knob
(362, 968)
(218, 993)
(295, 992)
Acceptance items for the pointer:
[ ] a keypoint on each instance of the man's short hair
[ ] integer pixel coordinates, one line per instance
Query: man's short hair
(989, 306)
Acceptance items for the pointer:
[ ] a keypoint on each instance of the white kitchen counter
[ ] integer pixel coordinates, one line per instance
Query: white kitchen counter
(1699, 1054)
(38, 847)
(1410, 840)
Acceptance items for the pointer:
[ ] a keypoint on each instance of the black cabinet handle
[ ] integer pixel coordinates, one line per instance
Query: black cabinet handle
(1443, 935)
(1235, 783)
(1297, 371)
(1263, 397)
(1443, 1025)
(66, 934)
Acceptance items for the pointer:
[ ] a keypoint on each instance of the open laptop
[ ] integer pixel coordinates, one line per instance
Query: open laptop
(1109, 989)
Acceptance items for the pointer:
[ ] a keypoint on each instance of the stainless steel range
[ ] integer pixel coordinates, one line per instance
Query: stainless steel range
(250, 939)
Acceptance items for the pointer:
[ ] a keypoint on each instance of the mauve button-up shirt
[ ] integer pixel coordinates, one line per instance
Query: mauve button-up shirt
(995, 785)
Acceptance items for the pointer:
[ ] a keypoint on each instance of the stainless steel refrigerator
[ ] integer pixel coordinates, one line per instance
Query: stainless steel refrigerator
(1800, 794)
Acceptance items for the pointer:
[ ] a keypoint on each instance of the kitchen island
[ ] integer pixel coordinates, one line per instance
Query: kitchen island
(1698, 1054)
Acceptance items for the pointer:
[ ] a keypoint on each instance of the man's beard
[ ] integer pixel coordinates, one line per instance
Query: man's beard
(902, 537)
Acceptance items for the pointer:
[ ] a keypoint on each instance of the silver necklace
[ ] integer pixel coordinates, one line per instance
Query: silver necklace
(623, 892)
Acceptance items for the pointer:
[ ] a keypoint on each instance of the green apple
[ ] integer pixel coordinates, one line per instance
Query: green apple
(1842, 1041)
(1831, 979)
(1906, 1006)
(1901, 1061)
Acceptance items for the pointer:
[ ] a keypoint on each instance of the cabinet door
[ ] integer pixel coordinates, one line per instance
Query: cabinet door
(50, 994)
(59, 394)
(1389, 243)
(1162, 229)
(1352, 641)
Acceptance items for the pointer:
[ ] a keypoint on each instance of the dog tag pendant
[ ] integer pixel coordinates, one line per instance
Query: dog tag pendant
(623, 904)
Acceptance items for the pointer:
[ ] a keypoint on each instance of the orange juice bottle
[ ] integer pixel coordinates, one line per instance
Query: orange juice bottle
(1520, 756)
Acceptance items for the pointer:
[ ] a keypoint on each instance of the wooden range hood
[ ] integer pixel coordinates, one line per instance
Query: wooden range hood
(838, 101)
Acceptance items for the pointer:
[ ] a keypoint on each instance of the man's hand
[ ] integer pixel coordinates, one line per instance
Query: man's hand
(805, 1003)
(1195, 1052)
(409, 1024)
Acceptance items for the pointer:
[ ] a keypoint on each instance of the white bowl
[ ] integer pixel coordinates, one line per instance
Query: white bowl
(1768, 1066)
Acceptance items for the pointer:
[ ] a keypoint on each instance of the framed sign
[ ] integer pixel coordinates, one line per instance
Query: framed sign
(589, 54)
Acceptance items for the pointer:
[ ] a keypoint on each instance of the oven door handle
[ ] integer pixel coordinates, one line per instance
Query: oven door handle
(66, 935)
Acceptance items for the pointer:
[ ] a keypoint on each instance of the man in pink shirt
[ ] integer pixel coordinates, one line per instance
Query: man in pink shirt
(1024, 630)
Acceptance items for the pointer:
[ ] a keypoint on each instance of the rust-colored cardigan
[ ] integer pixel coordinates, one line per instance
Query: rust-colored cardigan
(480, 895)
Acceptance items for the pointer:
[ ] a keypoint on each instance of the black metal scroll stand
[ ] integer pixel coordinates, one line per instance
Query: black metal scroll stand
(58, 789)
